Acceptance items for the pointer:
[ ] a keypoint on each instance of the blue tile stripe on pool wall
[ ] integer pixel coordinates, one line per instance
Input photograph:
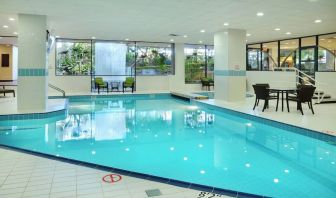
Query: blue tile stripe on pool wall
(230, 73)
(33, 116)
(33, 72)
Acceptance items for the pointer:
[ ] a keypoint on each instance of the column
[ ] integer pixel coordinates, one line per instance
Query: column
(230, 65)
(32, 65)
(177, 81)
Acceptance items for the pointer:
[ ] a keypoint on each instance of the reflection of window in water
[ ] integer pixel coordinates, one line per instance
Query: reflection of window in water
(198, 118)
(74, 127)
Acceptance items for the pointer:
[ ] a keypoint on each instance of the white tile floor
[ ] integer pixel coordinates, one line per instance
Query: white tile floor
(25, 175)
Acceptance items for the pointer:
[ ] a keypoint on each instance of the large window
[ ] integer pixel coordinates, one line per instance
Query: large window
(269, 56)
(154, 58)
(254, 57)
(289, 50)
(327, 53)
(199, 62)
(73, 57)
(113, 58)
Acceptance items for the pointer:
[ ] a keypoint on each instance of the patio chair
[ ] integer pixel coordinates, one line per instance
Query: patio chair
(4, 91)
(207, 83)
(128, 83)
(305, 93)
(100, 84)
(262, 93)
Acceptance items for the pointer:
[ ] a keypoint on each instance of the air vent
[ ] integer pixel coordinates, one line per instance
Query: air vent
(173, 35)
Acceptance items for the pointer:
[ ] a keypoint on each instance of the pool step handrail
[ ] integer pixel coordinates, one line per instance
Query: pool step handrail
(57, 89)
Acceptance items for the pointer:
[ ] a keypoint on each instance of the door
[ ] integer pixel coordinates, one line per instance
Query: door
(308, 62)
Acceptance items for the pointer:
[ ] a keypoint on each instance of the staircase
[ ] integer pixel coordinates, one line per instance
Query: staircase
(304, 79)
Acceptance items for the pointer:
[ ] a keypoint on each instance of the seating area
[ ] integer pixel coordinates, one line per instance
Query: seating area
(4, 91)
(109, 86)
(207, 83)
(300, 94)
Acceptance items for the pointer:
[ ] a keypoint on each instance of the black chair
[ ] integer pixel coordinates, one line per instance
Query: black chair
(305, 93)
(262, 93)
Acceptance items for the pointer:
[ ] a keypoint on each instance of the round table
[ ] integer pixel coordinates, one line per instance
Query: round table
(282, 90)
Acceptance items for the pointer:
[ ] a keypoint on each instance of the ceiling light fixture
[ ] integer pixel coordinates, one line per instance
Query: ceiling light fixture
(126, 39)
(202, 31)
(260, 14)
(11, 19)
(93, 37)
(226, 24)
(200, 41)
(248, 34)
(57, 36)
(185, 36)
(171, 40)
(318, 21)
(288, 33)
(5, 26)
(277, 29)
(15, 33)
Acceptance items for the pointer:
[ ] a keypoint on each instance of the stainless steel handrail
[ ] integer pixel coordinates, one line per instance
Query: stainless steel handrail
(57, 89)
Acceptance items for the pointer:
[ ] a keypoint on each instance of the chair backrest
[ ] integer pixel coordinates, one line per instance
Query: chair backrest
(261, 91)
(99, 80)
(305, 93)
(129, 81)
(263, 84)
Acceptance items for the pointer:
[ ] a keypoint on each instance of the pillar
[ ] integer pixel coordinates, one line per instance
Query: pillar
(230, 65)
(32, 65)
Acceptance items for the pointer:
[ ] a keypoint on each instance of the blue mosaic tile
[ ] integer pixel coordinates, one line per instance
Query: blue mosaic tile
(230, 73)
(32, 72)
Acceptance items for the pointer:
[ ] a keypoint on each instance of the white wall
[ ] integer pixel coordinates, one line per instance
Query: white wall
(326, 82)
(274, 78)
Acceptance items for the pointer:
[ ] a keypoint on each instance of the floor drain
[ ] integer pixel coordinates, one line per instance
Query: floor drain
(153, 192)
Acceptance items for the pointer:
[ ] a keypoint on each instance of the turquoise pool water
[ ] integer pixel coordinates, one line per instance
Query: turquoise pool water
(171, 138)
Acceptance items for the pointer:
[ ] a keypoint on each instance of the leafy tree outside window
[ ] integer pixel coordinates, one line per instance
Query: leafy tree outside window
(73, 58)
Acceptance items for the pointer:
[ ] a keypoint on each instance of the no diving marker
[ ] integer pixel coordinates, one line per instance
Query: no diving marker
(111, 178)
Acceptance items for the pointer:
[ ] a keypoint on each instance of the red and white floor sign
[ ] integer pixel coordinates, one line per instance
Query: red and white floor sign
(111, 178)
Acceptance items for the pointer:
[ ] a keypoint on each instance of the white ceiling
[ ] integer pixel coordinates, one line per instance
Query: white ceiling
(153, 20)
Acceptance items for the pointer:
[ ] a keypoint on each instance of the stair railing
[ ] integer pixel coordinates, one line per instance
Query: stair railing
(57, 89)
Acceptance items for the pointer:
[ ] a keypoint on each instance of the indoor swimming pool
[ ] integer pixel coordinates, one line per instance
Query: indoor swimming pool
(171, 138)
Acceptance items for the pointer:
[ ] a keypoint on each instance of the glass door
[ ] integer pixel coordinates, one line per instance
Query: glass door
(308, 62)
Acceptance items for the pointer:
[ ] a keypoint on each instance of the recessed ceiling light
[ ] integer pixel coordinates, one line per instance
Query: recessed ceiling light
(277, 29)
(288, 33)
(200, 41)
(248, 34)
(202, 31)
(11, 19)
(318, 21)
(5, 26)
(171, 40)
(93, 37)
(260, 14)
(126, 39)
(15, 33)
(185, 36)
(57, 36)
(226, 24)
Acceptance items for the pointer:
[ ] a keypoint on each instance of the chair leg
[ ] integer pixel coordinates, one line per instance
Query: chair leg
(255, 103)
(277, 102)
(300, 107)
(287, 101)
(265, 105)
(311, 107)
